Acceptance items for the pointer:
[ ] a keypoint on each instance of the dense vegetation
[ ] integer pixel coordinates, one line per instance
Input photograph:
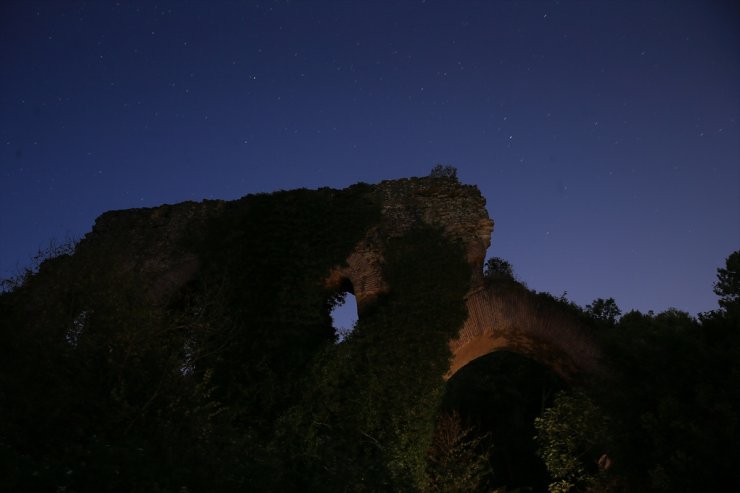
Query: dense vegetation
(666, 417)
(238, 382)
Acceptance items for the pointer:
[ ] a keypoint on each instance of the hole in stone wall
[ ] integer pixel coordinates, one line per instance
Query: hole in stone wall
(344, 316)
(498, 396)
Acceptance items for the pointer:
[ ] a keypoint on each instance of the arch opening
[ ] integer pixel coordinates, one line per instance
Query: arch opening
(497, 396)
(344, 312)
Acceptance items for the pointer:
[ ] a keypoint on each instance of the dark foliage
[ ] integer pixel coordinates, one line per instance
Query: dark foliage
(666, 413)
(604, 311)
(727, 286)
(367, 422)
(236, 383)
(497, 268)
(458, 457)
(443, 171)
(103, 391)
(498, 397)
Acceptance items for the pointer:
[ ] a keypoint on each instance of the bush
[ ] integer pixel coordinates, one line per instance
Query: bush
(444, 171)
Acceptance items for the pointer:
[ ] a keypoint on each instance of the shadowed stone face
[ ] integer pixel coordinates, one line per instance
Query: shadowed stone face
(458, 209)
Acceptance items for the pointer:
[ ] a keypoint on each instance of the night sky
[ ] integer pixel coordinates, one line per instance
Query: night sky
(604, 135)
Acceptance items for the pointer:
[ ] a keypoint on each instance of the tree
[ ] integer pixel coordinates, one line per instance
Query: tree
(573, 435)
(455, 461)
(498, 268)
(444, 171)
(727, 286)
(604, 310)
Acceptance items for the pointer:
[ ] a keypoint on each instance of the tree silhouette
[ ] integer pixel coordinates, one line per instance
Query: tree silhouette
(727, 286)
(444, 171)
(498, 268)
(604, 310)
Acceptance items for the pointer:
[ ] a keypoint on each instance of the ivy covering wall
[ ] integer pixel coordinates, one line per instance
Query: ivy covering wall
(235, 382)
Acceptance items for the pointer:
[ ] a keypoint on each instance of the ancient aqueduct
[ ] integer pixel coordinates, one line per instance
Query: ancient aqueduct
(499, 319)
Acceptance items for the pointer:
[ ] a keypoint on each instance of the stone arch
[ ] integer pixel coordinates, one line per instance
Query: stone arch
(361, 276)
(338, 283)
(507, 316)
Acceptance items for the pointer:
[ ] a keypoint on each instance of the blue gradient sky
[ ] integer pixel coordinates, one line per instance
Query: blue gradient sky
(604, 135)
